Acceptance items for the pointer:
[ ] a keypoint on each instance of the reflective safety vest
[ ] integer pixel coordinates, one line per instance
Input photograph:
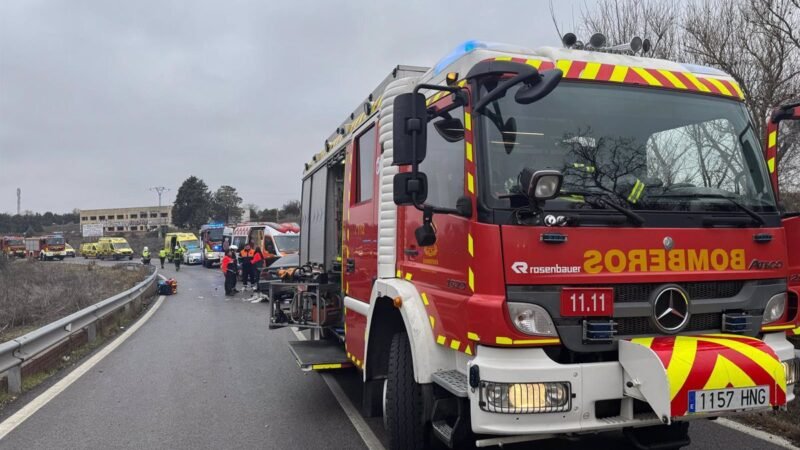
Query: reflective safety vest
(162, 253)
(145, 253)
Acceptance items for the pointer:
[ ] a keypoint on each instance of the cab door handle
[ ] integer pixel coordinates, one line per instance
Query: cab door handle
(351, 265)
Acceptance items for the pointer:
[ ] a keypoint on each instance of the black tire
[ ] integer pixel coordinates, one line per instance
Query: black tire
(404, 413)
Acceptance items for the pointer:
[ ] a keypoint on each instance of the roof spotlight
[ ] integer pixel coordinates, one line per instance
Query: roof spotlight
(646, 46)
(598, 40)
(636, 44)
(569, 40)
(578, 45)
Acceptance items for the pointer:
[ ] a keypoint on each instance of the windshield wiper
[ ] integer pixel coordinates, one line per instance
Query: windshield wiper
(745, 209)
(632, 216)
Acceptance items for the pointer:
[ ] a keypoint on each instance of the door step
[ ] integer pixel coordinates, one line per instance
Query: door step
(453, 381)
(319, 355)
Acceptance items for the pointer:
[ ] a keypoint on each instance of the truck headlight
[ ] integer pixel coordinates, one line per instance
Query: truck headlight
(525, 398)
(792, 369)
(531, 319)
(775, 308)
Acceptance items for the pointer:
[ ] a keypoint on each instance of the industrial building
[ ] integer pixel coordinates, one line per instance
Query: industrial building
(143, 218)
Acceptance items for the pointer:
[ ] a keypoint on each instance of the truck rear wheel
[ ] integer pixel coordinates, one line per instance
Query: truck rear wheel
(404, 409)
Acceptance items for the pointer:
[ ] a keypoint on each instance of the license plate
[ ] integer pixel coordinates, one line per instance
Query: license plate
(728, 399)
(587, 302)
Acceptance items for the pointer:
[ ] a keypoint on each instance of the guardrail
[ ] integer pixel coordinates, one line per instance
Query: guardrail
(14, 353)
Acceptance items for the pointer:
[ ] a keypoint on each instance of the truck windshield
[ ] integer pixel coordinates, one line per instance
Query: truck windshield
(288, 244)
(55, 241)
(15, 242)
(643, 148)
(215, 234)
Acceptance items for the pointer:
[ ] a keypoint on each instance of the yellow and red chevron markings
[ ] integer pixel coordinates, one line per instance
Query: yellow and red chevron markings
(716, 361)
(670, 79)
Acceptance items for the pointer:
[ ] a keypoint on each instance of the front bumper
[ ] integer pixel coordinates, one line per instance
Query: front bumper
(194, 258)
(637, 376)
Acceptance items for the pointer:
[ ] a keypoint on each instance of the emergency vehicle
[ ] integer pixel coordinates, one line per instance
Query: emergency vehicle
(192, 251)
(267, 236)
(211, 237)
(114, 247)
(46, 248)
(527, 244)
(11, 246)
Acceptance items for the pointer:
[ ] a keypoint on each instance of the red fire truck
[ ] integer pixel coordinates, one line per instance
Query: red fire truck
(525, 244)
(11, 246)
(46, 248)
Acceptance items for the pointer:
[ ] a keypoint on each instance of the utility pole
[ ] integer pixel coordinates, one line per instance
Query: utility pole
(159, 190)
(19, 201)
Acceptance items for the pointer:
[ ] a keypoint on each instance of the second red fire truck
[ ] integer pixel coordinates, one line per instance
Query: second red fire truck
(519, 244)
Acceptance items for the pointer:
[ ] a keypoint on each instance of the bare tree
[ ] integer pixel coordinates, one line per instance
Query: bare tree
(757, 42)
(621, 20)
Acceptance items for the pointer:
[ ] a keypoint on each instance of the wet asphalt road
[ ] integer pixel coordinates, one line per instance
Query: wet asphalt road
(205, 373)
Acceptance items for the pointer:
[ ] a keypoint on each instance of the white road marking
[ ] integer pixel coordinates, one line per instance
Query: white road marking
(44, 398)
(763, 435)
(367, 435)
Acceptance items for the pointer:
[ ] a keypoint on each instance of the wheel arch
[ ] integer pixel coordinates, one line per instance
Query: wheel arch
(384, 320)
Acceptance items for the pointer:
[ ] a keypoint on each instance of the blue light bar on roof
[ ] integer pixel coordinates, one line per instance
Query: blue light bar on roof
(471, 45)
(704, 70)
(456, 53)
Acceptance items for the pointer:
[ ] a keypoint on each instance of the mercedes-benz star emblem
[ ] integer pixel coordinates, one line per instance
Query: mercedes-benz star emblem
(668, 243)
(671, 310)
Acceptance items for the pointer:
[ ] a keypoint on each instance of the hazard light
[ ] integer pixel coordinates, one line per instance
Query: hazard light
(792, 369)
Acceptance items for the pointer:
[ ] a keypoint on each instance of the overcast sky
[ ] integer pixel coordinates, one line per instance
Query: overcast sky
(100, 100)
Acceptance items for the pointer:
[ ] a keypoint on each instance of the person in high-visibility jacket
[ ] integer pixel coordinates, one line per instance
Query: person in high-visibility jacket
(146, 256)
(258, 264)
(162, 255)
(246, 257)
(230, 269)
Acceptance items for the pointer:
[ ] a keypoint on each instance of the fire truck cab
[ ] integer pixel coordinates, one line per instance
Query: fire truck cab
(211, 236)
(46, 248)
(12, 246)
(538, 243)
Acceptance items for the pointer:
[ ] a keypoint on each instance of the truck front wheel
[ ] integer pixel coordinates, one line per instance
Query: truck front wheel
(404, 409)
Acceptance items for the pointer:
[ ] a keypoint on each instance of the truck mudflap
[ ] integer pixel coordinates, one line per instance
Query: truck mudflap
(674, 373)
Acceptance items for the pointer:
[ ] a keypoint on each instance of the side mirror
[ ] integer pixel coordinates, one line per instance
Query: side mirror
(540, 185)
(406, 185)
(426, 234)
(450, 129)
(409, 133)
(533, 92)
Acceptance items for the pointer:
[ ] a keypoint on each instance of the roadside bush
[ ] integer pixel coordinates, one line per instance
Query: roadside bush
(34, 293)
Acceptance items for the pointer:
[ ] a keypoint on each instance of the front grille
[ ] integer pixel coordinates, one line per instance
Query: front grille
(641, 292)
(631, 326)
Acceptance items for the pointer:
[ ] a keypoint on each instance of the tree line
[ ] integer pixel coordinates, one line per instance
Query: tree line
(30, 222)
(195, 205)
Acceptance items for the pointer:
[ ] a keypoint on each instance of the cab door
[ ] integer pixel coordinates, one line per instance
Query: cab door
(360, 264)
(791, 222)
